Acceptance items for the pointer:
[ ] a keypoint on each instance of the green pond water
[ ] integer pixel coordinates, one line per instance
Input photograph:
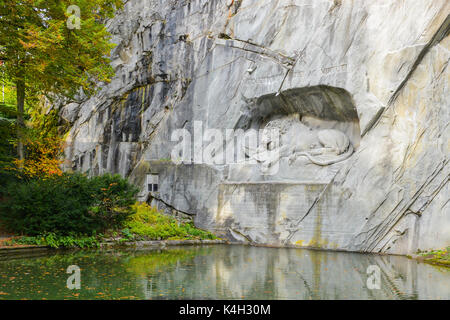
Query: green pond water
(221, 272)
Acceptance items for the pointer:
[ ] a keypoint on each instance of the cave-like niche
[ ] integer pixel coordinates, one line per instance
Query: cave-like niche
(319, 130)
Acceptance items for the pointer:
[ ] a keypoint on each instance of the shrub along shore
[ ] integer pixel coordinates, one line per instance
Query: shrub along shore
(73, 210)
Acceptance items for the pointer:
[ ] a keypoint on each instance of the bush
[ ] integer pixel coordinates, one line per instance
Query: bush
(66, 205)
(113, 199)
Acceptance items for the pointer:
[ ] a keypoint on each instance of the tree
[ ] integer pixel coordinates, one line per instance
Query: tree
(54, 48)
(7, 132)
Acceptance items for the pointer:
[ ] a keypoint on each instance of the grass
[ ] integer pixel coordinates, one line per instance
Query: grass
(150, 224)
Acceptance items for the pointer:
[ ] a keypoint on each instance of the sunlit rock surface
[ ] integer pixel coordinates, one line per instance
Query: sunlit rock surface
(375, 70)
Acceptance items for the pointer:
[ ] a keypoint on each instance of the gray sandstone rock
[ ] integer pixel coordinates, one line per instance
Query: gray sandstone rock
(376, 71)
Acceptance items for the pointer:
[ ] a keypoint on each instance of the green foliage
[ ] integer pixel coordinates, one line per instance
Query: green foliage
(113, 200)
(8, 93)
(38, 48)
(45, 56)
(7, 131)
(127, 234)
(7, 138)
(67, 204)
(57, 241)
(151, 224)
(441, 257)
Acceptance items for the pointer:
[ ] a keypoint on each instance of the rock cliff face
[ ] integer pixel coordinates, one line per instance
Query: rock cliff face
(377, 71)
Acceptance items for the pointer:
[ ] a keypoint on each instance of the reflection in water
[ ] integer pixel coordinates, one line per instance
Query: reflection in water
(221, 272)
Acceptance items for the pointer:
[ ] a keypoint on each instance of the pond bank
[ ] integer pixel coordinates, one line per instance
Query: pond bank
(6, 251)
(24, 250)
(158, 243)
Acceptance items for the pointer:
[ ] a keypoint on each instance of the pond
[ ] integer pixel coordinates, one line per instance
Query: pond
(222, 272)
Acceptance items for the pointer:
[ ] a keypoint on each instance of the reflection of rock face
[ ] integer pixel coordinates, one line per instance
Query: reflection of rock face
(376, 73)
(272, 273)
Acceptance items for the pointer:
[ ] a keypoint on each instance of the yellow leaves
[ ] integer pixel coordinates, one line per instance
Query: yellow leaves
(42, 158)
(41, 167)
(41, 66)
(28, 45)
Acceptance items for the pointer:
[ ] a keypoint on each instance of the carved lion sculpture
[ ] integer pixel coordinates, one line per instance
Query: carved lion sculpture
(335, 147)
(321, 147)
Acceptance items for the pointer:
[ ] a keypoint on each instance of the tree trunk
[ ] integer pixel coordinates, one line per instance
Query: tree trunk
(20, 85)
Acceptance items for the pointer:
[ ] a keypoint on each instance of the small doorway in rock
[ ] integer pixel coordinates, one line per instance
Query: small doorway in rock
(152, 182)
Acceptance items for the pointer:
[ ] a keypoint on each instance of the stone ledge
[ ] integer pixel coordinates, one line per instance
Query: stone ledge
(24, 251)
(21, 249)
(160, 243)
